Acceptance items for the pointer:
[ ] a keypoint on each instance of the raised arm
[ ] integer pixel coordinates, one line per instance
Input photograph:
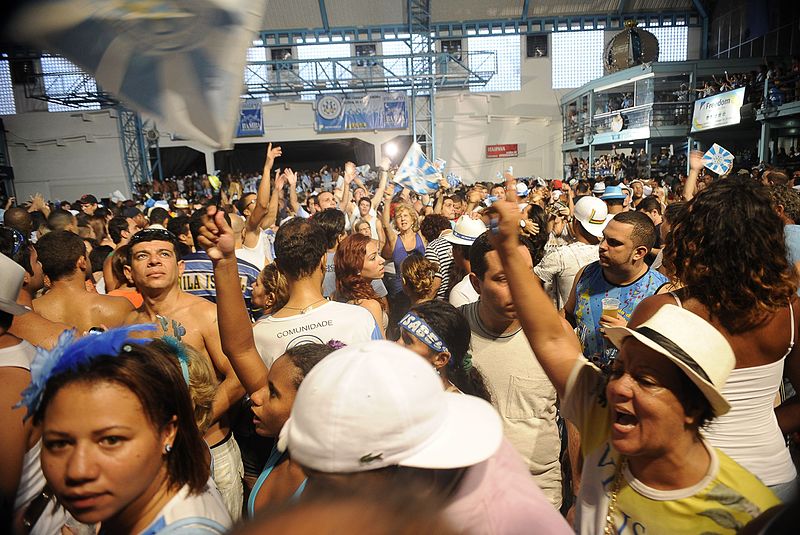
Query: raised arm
(349, 177)
(388, 231)
(556, 346)
(383, 178)
(695, 166)
(261, 207)
(291, 178)
(235, 331)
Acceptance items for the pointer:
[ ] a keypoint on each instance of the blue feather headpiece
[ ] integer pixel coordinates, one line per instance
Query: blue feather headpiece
(69, 354)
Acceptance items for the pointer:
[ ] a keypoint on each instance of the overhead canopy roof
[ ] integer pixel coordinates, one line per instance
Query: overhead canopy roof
(331, 14)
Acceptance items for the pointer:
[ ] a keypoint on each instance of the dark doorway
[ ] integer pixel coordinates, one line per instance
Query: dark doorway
(299, 155)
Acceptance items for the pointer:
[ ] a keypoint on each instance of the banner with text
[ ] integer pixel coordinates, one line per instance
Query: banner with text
(251, 120)
(373, 111)
(718, 110)
(502, 151)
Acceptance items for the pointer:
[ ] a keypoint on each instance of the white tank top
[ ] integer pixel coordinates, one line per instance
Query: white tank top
(749, 432)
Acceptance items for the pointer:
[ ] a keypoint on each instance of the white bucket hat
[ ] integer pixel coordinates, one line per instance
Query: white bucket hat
(592, 214)
(465, 231)
(10, 285)
(599, 188)
(377, 404)
(692, 344)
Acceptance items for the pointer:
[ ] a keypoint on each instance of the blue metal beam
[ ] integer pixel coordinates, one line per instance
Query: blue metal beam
(701, 9)
(623, 6)
(524, 14)
(323, 13)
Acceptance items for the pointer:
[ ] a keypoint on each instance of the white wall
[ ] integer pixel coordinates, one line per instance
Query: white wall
(66, 154)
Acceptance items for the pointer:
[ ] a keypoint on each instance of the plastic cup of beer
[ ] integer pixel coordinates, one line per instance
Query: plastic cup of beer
(610, 306)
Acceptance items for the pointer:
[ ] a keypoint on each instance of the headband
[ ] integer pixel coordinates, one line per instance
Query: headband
(417, 327)
(69, 354)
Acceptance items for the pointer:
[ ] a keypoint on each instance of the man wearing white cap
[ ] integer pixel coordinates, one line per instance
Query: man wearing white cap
(464, 234)
(558, 267)
(375, 414)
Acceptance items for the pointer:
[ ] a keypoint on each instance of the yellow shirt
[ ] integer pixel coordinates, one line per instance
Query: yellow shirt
(726, 499)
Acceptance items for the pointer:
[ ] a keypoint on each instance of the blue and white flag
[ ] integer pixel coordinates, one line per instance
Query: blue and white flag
(718, 159)
(180, 62)
(416, 172)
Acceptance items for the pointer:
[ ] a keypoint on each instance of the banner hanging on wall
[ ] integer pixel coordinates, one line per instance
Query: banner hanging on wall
(373, 111)
(718, 110)
(251, 120)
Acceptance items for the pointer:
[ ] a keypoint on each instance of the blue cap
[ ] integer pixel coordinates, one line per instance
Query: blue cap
(613, 192)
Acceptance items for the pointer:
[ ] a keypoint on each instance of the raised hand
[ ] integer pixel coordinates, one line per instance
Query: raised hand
(696, 160)
(349, 171)
(273, 153)
(290, 176)
(386, 163)
(216, 236)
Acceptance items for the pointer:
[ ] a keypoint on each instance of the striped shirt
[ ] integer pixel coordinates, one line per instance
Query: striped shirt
(441, 252)
(198, 277)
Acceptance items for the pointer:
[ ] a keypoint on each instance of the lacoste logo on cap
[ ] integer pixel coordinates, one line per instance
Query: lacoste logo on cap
(370, 457)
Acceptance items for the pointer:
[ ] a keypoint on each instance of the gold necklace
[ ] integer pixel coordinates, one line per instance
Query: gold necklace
(307, 309)
(611, 527)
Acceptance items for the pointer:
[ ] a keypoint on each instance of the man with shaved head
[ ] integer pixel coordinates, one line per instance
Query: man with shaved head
(18, 219)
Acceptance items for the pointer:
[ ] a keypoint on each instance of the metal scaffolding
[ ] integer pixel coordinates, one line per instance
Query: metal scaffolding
(134, 148)
(372, 73)
(74, 89)
(423, 90)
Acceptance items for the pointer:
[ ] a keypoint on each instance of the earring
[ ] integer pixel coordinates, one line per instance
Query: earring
(168, 448)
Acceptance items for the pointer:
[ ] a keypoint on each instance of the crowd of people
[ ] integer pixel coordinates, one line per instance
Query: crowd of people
(334, 352)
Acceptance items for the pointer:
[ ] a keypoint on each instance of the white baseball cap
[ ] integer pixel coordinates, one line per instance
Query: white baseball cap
(692, 344)
(10, 285)
(377, 404)
(592, 214)
(465, 231)
(522, 189)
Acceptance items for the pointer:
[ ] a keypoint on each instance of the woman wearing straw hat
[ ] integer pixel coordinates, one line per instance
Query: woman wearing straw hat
(647, 467)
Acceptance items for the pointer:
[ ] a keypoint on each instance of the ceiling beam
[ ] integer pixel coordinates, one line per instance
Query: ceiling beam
(525, 5)
(323, 13)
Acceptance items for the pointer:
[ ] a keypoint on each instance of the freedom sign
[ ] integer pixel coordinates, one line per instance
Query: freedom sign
(718, 110)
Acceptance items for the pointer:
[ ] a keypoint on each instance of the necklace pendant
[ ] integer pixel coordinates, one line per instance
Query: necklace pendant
(307, 309)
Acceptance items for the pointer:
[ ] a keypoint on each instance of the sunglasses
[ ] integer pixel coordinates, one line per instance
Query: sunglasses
(19, 239)
(152, 234)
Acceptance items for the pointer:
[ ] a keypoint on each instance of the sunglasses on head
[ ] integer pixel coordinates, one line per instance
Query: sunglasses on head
(19, 239)
(151, 234)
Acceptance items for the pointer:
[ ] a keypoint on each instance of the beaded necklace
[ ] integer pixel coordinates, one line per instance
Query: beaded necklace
(611, 527)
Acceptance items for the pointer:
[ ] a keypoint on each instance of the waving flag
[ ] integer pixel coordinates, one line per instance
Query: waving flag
(718, 159)
(416, 172)
(180, 62)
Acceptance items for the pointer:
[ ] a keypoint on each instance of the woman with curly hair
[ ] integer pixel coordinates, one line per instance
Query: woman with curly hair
(357, 263)
(727, 250)
(418, 275)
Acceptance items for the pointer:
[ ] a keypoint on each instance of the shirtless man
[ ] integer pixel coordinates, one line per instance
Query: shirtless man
(63, 257)
(31, 326)
(155, 267)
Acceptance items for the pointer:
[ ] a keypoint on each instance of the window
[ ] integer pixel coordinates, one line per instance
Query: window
(397, 67)
(577, 58)
(672, 42)
(256, 74)
(63, 78)
(507, 49)
(536, 45)
(366, 51)
(7, 106)
(322, 72)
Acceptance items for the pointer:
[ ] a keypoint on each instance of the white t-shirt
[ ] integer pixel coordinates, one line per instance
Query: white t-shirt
(463, 293)
(331, 321)
(200, 513)
(255, 255)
